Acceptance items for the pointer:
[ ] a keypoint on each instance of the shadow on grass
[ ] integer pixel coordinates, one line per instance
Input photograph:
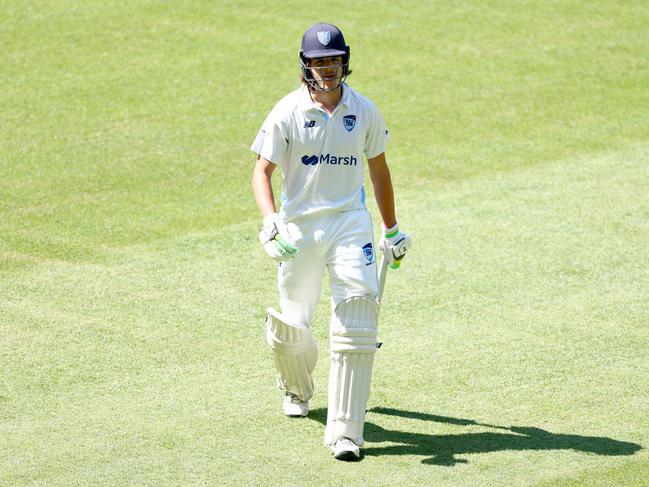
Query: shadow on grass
(443, 449)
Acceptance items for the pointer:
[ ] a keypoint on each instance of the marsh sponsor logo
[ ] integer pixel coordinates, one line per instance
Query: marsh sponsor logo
(309, 160)
(330, 159)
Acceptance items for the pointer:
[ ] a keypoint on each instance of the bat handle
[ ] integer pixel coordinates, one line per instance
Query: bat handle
(383, 271)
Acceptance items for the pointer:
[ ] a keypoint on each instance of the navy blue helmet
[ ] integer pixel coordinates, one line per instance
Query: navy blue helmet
(323, 40)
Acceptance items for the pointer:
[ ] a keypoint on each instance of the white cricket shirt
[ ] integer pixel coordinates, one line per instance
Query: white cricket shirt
(321, 154)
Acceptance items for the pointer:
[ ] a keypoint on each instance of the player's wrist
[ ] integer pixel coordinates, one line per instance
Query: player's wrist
(392, 231)
(270, 218)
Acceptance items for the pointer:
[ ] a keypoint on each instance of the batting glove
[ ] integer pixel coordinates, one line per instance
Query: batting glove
(394, 244)
(276, 240)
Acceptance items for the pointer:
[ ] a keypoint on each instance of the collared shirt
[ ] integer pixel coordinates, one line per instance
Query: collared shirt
(321, 154)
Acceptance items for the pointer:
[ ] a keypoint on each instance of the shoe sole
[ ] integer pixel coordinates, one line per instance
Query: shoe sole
(347, 456)
(296, 415)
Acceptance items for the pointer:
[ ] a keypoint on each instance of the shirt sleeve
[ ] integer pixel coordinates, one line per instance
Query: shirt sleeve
(271, 142)
(377, 136)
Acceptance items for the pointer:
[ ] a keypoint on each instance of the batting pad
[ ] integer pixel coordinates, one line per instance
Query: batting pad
(353, 344)
(295, 353)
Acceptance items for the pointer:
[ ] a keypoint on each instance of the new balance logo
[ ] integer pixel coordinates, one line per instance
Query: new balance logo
(329, 159)
(309, 124)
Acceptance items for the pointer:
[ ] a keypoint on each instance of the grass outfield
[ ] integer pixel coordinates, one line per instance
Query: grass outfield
(133, 286)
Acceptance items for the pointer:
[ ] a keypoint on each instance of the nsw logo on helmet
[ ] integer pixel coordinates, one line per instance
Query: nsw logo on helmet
(324, 36)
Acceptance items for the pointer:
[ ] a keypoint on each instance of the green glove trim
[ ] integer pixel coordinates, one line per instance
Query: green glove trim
(285, 246)
(393, 234)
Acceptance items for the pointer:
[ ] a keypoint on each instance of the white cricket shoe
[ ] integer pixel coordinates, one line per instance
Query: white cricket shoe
(294, 407)
(346, 449)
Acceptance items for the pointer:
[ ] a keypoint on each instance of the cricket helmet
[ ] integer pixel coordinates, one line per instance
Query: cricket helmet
(323, 40)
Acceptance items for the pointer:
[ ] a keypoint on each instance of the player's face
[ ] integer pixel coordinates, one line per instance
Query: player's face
(327, 71)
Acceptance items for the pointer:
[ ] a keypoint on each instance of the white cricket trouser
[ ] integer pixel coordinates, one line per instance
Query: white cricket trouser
(343, 244)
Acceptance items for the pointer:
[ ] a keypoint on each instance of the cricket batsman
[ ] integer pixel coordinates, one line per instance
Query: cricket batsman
(318, 136)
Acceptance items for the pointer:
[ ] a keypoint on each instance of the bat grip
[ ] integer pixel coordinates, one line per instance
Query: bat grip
(383, 271)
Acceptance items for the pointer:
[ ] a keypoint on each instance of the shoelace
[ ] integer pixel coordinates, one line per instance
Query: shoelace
(295, 399)
(346, 442)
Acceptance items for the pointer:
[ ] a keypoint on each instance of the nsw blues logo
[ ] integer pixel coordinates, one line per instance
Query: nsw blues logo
(368, 251)
(349, 121)
(324, 36)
